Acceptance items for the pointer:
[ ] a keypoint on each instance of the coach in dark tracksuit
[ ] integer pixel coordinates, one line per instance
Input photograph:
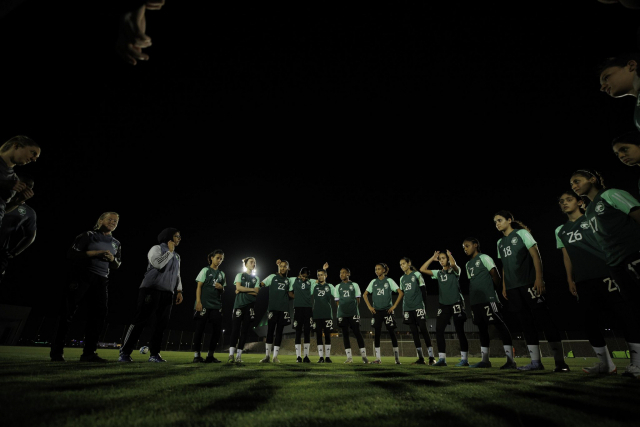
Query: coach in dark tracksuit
(160, 282)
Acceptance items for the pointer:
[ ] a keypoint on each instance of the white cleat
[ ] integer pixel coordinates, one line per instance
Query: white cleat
(265, 360)
(349, 360)
(275, 360)
(600, 369)
(365, 360)
(632, 371)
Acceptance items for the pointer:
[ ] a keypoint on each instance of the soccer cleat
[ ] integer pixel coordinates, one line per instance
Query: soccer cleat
(377, 362)
(535, 365)
(321, 360)
(125, 358)
(327, 360)
(239, 359)
(561, 367)
(511, 364)
(198, 359)
(349, 360)
(211, 359)
(419, 362)
(231, 359)
(299, 359)
(481, 364)
(440, 362)
(462, 362)
(57, 358)
(432, 360)
(632, 371)
(156, 358)
(266, 359)
(398, 362)
(93, 357)
(600, 369)
(275, 359)
(306, 360)
(365, 360)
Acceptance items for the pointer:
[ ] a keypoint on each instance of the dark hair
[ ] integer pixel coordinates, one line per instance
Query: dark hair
(591, 173)
(572, 193)
(632, 137)
(508, 215)
(446, 255)
(384, 266)
(619, 61)
(283, 261)
(165, 235)
(214, 253)
(305, 270)
(473, 241)
(345, 268)
(408, 260)
(20, 141)
(321, 269)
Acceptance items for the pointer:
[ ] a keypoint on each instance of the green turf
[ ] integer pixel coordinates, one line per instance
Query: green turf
(36, 392)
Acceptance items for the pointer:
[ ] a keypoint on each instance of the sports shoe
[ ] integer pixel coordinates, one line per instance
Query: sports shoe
(125, 358)
(321, 360)
(328, 360)
(156, 358)
(600, 369)
(462, 362)
(481, 364)
(198, 359)
(231, 359)
(299, 359)
(93, 357)
(511, 364)
(419, 362)
(561, 367)
(440, 362)
(632, 371)
(306, 360)
(377, 362)
(398, 362)
(432, 360)
(266, 359)
(535, 365)
(365, 360)
(57, 358)
(211, 359)
(275, 360)
(349, 360)
(239, 359)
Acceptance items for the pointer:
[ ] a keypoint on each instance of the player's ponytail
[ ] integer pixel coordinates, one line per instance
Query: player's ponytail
(509, 216)
(384, 266)
(591, 173)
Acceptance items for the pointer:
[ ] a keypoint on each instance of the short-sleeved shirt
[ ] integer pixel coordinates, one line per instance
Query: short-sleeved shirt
(278, 292)
(16, 224)
(94, 241)
(448, 286)
(481, 289)
(243, 299)
(380, 291)
(210, 297)
(346, 293)
(587, 257)
(410, 285)
(517, 263)
(322, 300)
(301, 291)
(616, 232)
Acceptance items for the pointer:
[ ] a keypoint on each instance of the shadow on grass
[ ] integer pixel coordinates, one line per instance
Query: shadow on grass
(247, 400)
(513, 417)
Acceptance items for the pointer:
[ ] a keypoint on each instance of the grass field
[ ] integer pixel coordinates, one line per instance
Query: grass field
(37, 392)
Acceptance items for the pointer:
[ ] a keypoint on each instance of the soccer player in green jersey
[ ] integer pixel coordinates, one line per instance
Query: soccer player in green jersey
(614, 217)
(208, 306)
(279, 314)
(347, 296)
(383, 308)
(323, 314)
(414, 307)
(451, 305)
(627, 148)
(247, 288)
(523, 286)
(619, 77)
(485, 306)
(588, 273)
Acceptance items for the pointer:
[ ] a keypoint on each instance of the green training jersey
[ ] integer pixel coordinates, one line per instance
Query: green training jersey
(278, 292)
(346, 293)
(322, 300)
(587, 258)
(302, 291)
(380, 291)
(481, 289)
(210, 297)
(517, 263)
(448, 286)
(616, 232)
(248, 281)
(410, 285)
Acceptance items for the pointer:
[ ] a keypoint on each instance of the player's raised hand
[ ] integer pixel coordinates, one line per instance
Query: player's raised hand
(325, 266)
(278, 263)
(172, 245)
(435, 256)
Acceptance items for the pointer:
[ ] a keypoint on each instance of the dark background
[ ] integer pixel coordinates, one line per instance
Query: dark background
(323, 132)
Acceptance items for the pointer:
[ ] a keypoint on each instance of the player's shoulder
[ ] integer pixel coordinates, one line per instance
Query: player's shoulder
(116, 241)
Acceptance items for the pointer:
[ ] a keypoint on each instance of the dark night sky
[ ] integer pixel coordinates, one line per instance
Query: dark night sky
(311, 133)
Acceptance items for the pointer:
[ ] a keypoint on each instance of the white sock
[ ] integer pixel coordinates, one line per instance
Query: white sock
(634, 353)
(196, 354)
(442, 355)
(297, 350)
(556, 349)
(508, 351)
(464, 355)
(276, 350)
(396, 353)
(430, 350)
(378, 353)
(232, 350)
(603, 356)
(534, 352)
(269, 347)
(363, 352)
(327, 349)
(420, 354)
(239, 353)
(321, 351)
(348, 351)
(485, 353)
(306, 349)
